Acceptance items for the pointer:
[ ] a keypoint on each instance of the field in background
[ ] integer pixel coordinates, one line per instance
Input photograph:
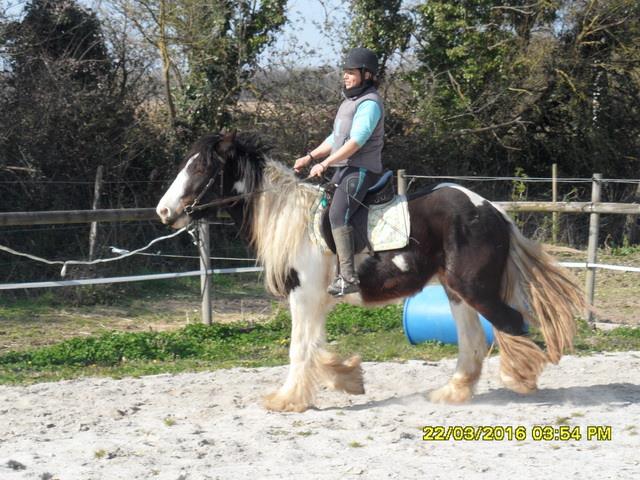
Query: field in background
(154, 327)
(48, 316)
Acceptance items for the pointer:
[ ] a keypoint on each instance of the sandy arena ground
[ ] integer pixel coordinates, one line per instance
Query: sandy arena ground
(212, 425)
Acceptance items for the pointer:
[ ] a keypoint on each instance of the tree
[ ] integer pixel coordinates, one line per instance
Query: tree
(69, 114)
(522, 82)
(209, 51)
(380, 26)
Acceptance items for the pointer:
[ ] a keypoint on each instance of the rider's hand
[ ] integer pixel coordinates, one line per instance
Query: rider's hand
(317, 170)
(301, 163)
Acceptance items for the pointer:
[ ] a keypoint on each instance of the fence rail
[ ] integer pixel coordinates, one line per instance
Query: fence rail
(572, 207)
(60, 217)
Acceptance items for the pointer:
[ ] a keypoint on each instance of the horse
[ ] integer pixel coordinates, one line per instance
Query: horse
(471, 246)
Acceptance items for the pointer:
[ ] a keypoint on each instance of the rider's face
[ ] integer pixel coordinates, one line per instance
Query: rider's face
(351, 77)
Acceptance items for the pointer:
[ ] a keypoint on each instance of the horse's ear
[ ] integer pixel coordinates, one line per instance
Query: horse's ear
(226, 143)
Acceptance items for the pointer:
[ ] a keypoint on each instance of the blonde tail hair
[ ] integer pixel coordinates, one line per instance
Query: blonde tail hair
(547, 293)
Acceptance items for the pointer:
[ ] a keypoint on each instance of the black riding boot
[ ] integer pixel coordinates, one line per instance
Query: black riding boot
(346, 280)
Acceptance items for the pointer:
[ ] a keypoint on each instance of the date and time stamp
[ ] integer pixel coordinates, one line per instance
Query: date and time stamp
(519, 433)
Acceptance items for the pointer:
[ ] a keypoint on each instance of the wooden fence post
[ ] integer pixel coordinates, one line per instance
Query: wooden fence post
(554, 198)
(93, 232)
(592, 251)
(631, 234)
(402, 183)
(205, 266)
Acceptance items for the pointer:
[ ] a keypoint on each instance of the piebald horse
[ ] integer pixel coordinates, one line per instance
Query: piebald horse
(484, 263)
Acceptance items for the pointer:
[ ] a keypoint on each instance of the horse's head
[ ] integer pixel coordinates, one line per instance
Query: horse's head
(217, 166)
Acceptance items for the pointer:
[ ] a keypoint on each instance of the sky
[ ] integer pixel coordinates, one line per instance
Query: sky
(305, 29)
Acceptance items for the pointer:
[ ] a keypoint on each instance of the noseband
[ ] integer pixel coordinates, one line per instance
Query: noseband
(193, 207)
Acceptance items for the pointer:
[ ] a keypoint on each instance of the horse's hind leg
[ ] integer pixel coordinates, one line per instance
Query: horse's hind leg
(521, 360)
(472, 348)
(477, 262)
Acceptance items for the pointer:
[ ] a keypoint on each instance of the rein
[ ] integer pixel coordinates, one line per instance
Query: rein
(196, 206)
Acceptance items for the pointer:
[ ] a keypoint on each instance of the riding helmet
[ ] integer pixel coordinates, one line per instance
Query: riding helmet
(361, 58)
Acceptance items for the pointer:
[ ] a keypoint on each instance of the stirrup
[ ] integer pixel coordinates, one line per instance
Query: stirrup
(340, 287)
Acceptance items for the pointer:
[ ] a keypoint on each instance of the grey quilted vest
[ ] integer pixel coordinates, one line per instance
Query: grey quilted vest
(369, 155)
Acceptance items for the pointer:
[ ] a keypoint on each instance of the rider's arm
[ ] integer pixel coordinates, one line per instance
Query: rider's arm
(323, 149)
(365, 121)
(317, 153)
(345, 151)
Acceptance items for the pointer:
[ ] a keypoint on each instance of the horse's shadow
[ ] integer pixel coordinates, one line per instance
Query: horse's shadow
(585, 396)
(578, 396)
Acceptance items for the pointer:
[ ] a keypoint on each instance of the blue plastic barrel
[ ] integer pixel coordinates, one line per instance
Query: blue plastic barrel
(427, 316)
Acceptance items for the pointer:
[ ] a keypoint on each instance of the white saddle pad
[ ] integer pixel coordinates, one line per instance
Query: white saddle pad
(388, 226)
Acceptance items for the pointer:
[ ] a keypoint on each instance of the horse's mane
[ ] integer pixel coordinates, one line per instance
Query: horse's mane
(278, 213)
(280, 220)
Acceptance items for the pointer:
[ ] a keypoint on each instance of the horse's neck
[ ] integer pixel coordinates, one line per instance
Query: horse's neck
(273, 178)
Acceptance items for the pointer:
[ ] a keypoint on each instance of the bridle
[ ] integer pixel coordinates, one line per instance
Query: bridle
(195, 206)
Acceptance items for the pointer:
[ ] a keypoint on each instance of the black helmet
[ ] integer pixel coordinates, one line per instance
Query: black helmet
(361, 58)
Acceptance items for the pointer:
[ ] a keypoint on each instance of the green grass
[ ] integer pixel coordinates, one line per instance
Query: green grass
(153, 327)
(37, 318)
(375, 334)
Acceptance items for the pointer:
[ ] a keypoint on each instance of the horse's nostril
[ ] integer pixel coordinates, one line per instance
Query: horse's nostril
(163, 212)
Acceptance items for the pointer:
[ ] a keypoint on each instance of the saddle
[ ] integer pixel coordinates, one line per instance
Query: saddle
(381, 223)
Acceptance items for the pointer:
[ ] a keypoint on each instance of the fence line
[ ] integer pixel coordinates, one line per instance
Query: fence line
(132, 278)
(572, 207)
(64, 263)
(429, 177)
(76, 216)
(195, 273)
(522, 179)
(595, 207)
(196, 257)
(132, 214)
(620, 268)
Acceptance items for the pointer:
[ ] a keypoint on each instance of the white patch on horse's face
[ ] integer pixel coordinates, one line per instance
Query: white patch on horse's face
(476, 199)
(401, 263)
(170, 208)
(240, 186)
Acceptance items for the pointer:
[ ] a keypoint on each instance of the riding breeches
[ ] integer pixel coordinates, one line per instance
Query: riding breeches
(352, 185)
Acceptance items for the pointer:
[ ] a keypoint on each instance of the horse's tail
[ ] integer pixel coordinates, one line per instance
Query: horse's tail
(545, 293)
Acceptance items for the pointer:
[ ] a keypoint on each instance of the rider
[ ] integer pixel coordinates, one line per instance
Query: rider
(353, 150)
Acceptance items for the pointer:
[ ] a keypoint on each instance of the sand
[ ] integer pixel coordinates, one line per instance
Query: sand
(212, 425)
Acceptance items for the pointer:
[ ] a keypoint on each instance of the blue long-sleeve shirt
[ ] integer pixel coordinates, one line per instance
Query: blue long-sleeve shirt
(364, 122)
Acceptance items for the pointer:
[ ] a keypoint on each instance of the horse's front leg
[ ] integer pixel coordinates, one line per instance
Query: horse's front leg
(311, 365)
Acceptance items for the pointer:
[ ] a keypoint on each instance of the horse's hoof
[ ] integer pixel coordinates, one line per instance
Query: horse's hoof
(353, 376)
(355, 388)
(521, 387)
(452, 394)
(345, 376)
(276, 402)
